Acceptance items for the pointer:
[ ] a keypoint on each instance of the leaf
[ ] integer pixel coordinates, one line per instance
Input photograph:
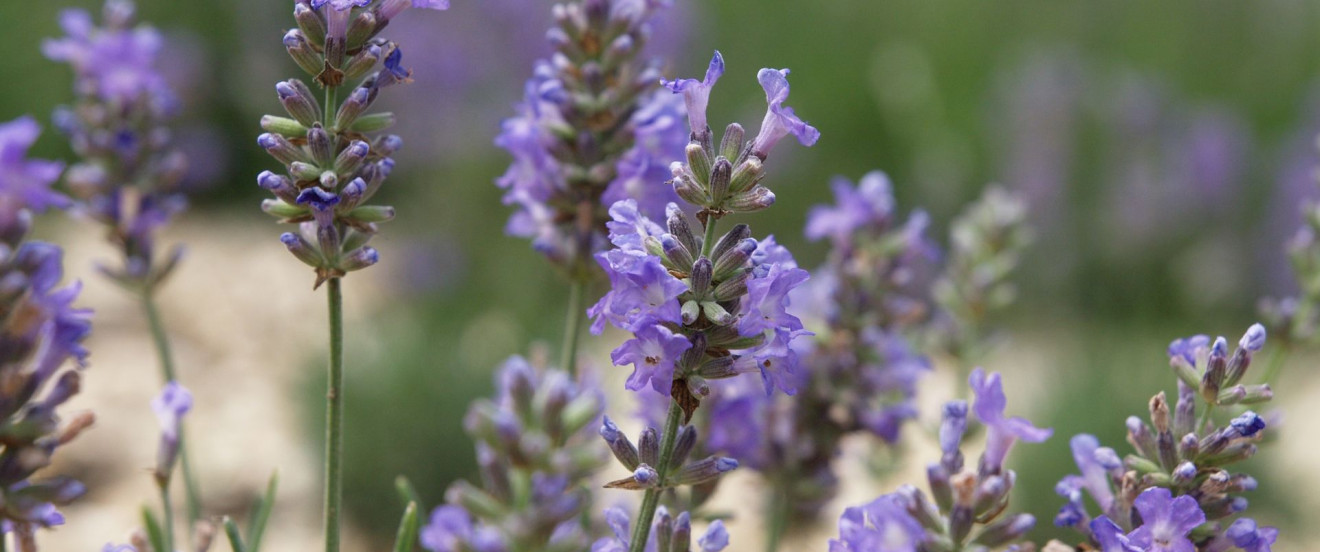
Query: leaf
(155, 535)
(235, 540)
(407, 493)
(261, 514)
(403, 542)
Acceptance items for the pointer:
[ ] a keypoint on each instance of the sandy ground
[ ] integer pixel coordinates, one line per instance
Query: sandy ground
(242, 317)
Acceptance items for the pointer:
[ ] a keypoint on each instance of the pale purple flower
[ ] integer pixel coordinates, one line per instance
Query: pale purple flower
(714, 539)
(110, 547)
(1187, 348)
(696, 93)
(643, 171)
(742, 433)
(884, 525)
(389, 9)
(652, 353)
(450, 526)
(642, 292)
(170, 406)
(871, 203)
(775, 360)
(780, 121)
(1246, 535)
(1110, 536)
(1248, 423)
(1002, 432)
(1166, 521)
(115, 63)
(765, 306)
(22, 180)
(629, 227)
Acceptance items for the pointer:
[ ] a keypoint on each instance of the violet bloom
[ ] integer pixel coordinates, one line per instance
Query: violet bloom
(1001, 432)
(780, 121)
(765, 306)
(115, 63)
(1110, 536)
(696, 94)
(27, 180)
(884, 525)
(1166, 521)
(642, 292)
(652, 353)
(714, 539)
(1246, 535)
(870, 204)
(389, 9)
(170, 406)
(449, 527)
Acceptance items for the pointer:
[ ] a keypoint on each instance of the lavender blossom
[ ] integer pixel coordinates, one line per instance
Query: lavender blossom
(536, 431)
(1177, 477)
(780, 121)
(170, 406)
(965, 511)
(1002, 432)
(669, 534)
(42, 330)
(582, 143)
(333, 166)
(1246, 535)
(129, 173)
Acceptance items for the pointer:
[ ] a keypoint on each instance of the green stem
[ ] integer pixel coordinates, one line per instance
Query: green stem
(192, 491)
(1272, 369)
(572, 328)
(651, 499)
(1203, 418)
(708, 243)
(167, 507)
(334, 418)
(331, 98)
(777, 520)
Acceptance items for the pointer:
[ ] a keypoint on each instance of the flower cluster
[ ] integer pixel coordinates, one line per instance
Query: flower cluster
(1177, 454)
(530, 449)
(129, 171)
(668, 534)
(1293, 320)
(41, 330)
(986, 243)
(333, 167)
(907, 521)
(593, 129)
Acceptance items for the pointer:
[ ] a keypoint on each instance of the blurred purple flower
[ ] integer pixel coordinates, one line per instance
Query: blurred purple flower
(1002, 432)
(884, 525)
(780, 120)
(1166, 521)
(652, 353)
(27, 181)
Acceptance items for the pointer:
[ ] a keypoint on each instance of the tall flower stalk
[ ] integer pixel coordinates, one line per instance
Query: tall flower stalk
(128, 173)
(705, 307)
(593, 128)
(333, 167)
(41, 330)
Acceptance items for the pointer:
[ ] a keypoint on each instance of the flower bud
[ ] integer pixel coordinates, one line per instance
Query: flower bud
(299, 106)
(699, 164)
(281, 149)
(313, 29)
(359, 259)
(318, 141)
(719, 181)
(704, 470)
(648, 446)
(623, 449)
(731, 145)
(362, 63)
(357, 102)
(302, 53)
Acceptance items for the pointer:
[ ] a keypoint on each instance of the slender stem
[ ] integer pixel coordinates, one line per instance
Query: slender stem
(1203, 418)
(192, 491)
(331, 98)
(167, 508)
(334, 418)
(777, 520)
(572, 328)
(652, 497)
(1272, 369)
(708, 243)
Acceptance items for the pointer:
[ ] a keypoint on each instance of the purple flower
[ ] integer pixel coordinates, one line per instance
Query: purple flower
(389, 9)
(870, 204)
(741, 432)
(765, 306)
(1248, 423)
(652, 353)
(1166, 521)
(1246, 535)
(1188, 348)
(776, 361)
(113, 62)
(449, 528)
(715, 538)
(1001, 432)
(780, 121)
(1254, 339)
(644, 170)
(1088, 454)
(629, 228)
(952, 426)
(170, 406)
(1110, 536)
(22, 180)
(696, 94)
(884, 525)
(642, 292)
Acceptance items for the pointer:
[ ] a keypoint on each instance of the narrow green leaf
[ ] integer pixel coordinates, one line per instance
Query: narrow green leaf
(407, 493)
(407, 530)
(261, 514)
(235, 540)
(155, 535)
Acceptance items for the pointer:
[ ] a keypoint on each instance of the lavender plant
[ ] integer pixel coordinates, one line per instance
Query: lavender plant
(40, 330)
(966, 509)
(593, 128)
(1293, 320)
(128, 173)
(532, 449)
(1175, 491)
(333, 167)
(700, 309)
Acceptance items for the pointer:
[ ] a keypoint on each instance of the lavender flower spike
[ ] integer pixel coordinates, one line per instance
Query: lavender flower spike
(884, 525)
(1003, 432)
(780, 121)
(696, 94)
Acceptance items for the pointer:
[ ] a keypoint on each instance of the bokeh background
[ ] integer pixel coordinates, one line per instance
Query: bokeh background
(1164, 149)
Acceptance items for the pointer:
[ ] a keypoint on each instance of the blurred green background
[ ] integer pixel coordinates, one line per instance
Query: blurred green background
(1164, 148)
